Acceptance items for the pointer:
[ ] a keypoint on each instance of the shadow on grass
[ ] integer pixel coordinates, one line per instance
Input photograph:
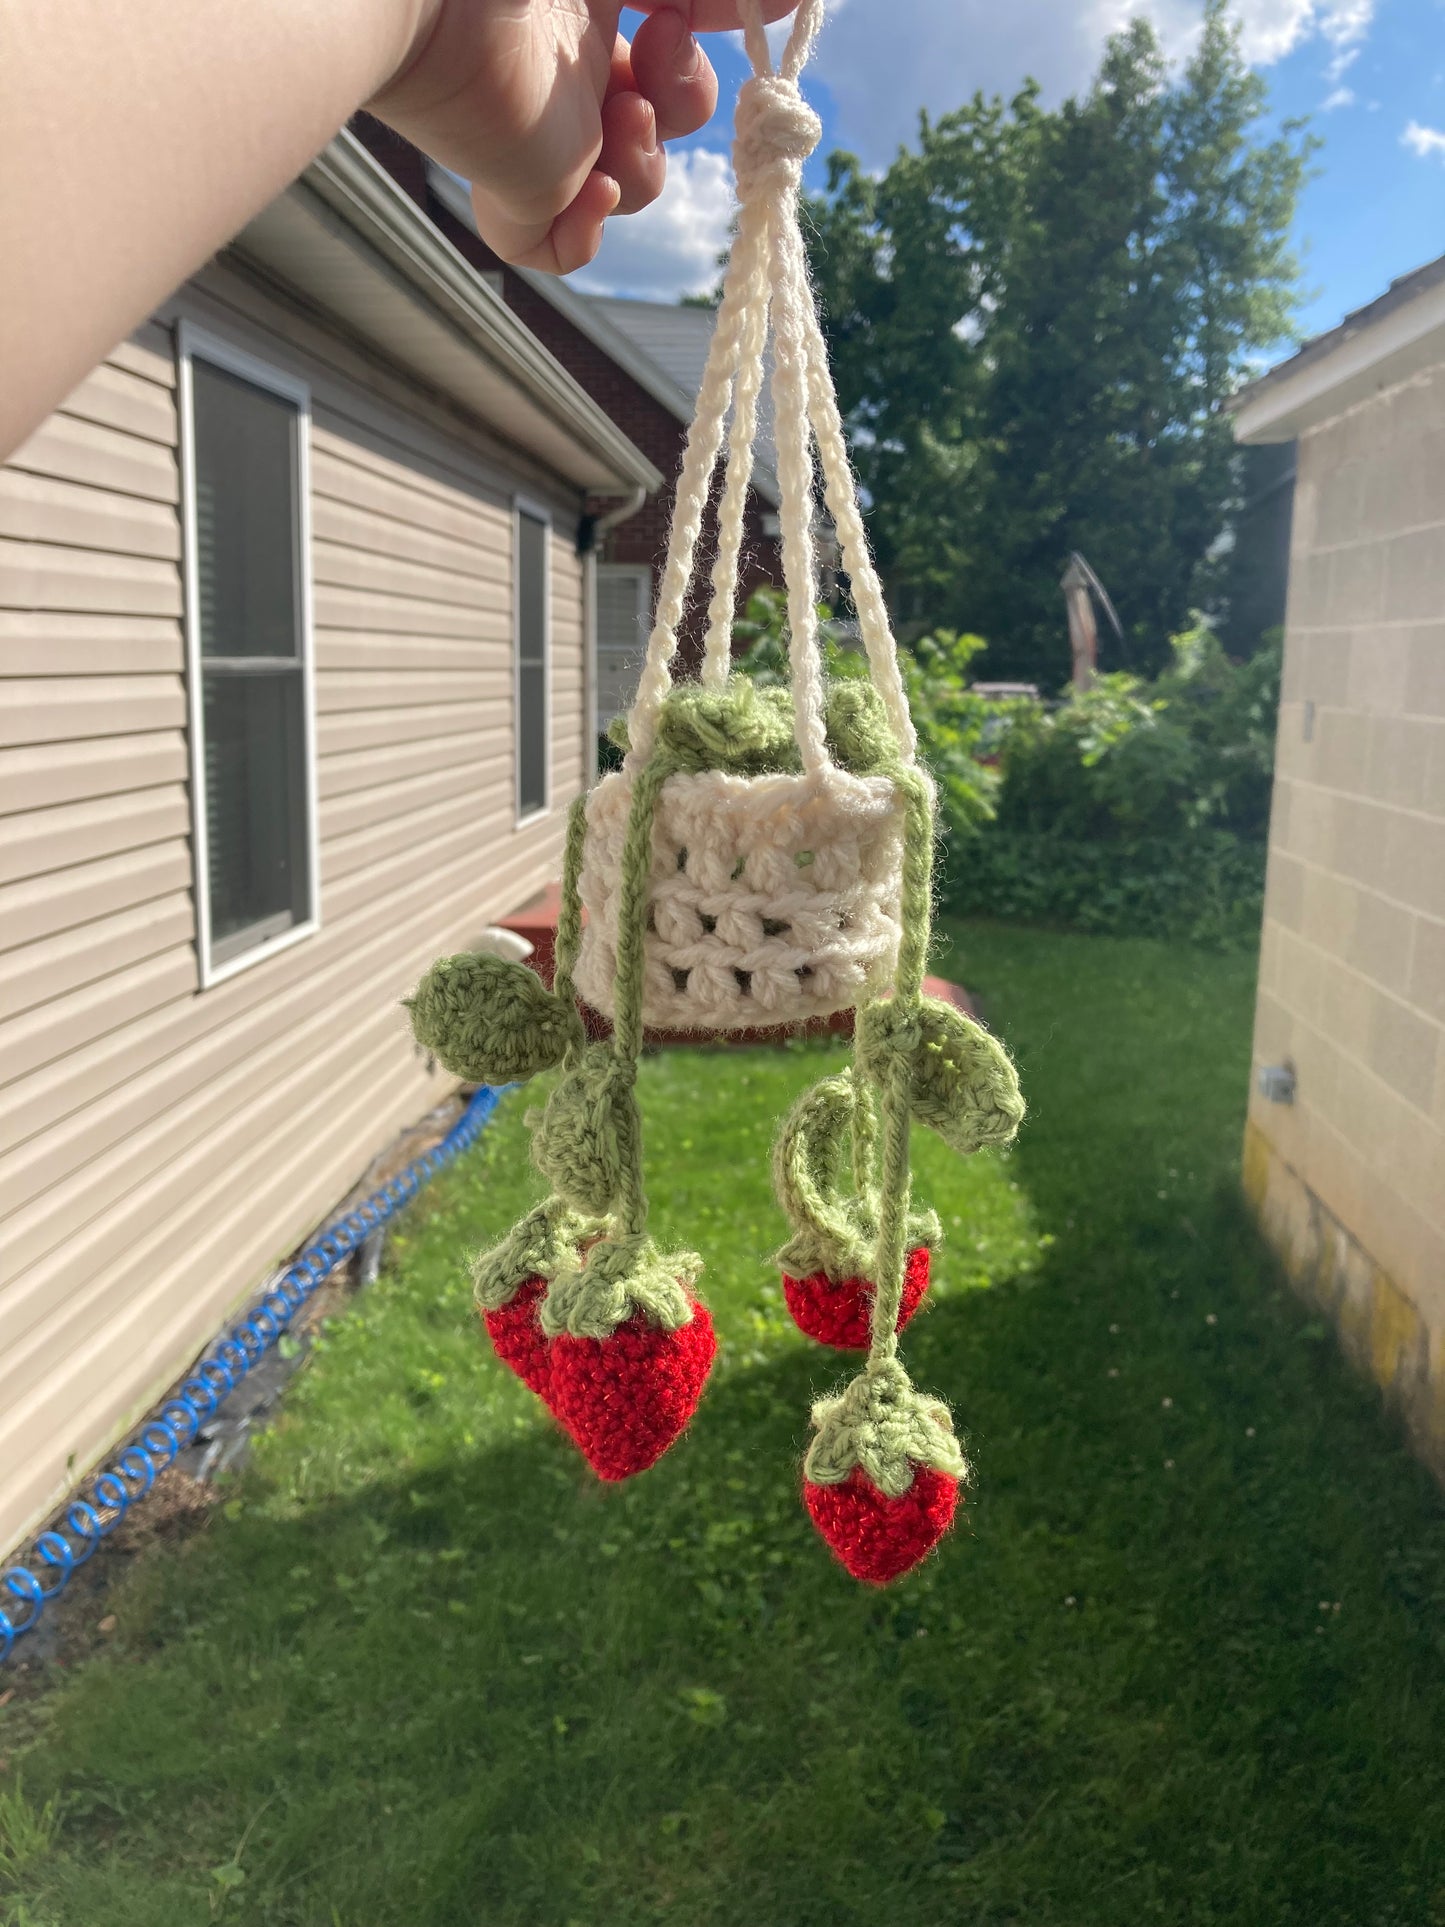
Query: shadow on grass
(492, 1689)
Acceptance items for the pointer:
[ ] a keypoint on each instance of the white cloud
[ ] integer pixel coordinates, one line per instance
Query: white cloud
(670, 248)
(1341, 97)
(1345, 24)
(1423, 141)
(935, 53)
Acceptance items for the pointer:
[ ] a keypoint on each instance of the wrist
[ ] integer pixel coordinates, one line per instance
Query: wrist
(422, 69)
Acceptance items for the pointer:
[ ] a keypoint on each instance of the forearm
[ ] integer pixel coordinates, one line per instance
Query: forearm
(130, 152)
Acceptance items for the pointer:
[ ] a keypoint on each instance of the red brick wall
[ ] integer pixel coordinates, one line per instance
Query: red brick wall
(645, 422)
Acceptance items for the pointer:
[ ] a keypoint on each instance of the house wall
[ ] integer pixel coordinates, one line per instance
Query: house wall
(161, 1146)
(1350, 1179)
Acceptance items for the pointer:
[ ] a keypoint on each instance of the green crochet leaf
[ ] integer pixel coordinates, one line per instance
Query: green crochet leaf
(961, 1081)
(747, 728)
(489, 1020)
(859, 735)
(832, 1231)
(740, 727)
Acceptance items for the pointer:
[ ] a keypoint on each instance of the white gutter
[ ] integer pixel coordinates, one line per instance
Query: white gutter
(600, 527)
(347, 237)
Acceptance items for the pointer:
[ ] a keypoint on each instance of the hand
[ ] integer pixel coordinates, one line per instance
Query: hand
(551, 115)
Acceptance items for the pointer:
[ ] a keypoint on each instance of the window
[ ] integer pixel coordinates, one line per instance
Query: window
(624, 615)
(244, 445)
(533, 531)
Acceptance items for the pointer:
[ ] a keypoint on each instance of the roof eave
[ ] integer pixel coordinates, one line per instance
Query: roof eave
(352, 242)
(1374, 349)
(583, 316)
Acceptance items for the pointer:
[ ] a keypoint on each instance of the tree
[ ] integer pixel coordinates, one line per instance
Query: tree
(1036, 316)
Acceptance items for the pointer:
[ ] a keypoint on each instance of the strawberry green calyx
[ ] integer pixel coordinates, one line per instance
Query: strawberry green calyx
(543, 1245)
(618, 1279)
(883, 1424)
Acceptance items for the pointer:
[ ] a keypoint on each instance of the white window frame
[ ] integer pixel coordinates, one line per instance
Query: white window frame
(195, 343)
(539, 512)
(641, 573)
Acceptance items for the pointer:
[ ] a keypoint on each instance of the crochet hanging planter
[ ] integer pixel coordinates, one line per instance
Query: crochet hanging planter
(763, 857)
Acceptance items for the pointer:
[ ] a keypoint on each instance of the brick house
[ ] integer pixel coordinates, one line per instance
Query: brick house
(642, 362)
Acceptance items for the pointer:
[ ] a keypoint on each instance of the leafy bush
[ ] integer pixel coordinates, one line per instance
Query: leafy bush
(955, 725)
(762, 629)
(1206, 887)
(1129, 759)
(1138, 808)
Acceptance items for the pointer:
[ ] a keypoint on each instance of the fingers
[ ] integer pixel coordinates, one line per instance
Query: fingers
(660, 88)
(630, 151)
(670, 69)
(714, 16)
(558, 246)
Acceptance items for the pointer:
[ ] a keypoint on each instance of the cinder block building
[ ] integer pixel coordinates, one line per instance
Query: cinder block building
(1345, 1151)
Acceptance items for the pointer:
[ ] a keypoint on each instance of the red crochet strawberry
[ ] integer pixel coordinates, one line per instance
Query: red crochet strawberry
(838, 1314)
(626, 1398)
(518, 1339)
(877, 1538)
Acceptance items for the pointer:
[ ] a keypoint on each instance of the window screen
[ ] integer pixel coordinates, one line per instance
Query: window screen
(250, 658)
(531, 663)
(624, 597)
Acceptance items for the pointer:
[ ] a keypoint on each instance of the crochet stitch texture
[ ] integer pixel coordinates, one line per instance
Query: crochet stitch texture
(762, 857)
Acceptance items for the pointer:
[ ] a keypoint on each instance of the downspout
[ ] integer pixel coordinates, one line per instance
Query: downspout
(591, 533)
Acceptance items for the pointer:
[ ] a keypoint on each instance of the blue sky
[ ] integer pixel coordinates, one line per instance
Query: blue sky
(1370, 74)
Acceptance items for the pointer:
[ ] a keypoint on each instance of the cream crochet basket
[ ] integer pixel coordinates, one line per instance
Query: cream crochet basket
(772, 899)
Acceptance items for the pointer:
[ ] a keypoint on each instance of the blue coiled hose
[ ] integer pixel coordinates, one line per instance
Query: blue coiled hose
(56, 1554)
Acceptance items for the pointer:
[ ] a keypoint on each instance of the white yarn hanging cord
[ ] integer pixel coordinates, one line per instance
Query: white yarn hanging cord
(767, 279)
(718, 653)
(704, 439)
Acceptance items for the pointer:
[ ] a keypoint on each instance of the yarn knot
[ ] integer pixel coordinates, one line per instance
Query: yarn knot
(774, 128)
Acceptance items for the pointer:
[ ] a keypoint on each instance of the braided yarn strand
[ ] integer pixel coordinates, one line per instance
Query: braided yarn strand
(704, 440)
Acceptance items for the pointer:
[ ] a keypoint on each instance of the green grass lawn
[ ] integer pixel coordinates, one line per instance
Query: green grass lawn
(1183, 1662)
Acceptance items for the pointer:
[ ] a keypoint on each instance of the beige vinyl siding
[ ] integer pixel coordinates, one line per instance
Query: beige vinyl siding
(161, 1147)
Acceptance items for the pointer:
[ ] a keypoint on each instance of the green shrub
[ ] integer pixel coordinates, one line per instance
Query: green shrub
(1129, 759)
(1133, 808)
(955, 724)
(1205, 886)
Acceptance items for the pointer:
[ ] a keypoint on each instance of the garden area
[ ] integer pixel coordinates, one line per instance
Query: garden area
(1138, 806)
(1181, 1661)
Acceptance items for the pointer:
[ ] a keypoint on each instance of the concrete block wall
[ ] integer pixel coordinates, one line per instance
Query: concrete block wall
(1352, 969)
